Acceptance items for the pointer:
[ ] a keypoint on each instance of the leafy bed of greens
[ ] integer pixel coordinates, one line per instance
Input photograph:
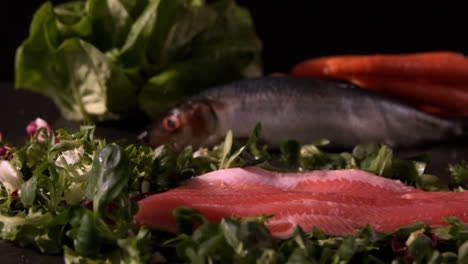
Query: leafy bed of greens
(104, 59)
(76, 195)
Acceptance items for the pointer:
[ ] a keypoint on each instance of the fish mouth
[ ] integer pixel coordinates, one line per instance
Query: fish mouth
(150, 136)
(144, 138)
(154, 138)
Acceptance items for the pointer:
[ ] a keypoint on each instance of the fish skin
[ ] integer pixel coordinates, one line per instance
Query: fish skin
(383, 203)
(316, 181)
(304, 110)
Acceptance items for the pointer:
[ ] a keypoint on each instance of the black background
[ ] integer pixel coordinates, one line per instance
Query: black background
(297, 29)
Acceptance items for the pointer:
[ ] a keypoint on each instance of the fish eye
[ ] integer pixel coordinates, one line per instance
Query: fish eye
(171, 123)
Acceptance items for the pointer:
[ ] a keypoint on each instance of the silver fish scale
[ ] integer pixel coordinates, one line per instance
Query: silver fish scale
(307, 109)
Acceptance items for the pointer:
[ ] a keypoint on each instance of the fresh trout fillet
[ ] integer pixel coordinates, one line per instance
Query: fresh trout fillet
(335, 201)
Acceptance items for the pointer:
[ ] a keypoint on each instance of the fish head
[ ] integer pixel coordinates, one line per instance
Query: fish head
(191, 123)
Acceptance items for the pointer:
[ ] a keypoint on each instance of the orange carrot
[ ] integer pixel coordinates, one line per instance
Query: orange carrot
(442, 66)
(453, 98)
(319, 67)
(436, 82)
(440, 111)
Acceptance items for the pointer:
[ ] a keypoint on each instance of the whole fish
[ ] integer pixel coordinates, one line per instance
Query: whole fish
(301, 109)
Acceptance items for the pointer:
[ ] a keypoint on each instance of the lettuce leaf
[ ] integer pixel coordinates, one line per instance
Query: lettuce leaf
(107, 59)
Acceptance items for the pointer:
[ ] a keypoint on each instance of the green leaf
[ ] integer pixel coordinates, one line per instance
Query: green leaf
(73, 19)
(312, 158)
(227, 146)
(132, 54)
(50, 241)
(30, 69)
(463, 253)
(28, 191)
(226, 49)
(316, 233)
(362, 151)
(253, 143)
(435, 258)
(186, 219)
(109, 176)
(458, 230)
(165, 172)
(98, 87)
(380, 163)
(103, 23)
(421, 248)
(248, 237)
(93, 57)
(87, 241)
(431, 183)
(368, 234)
(300, 256)
(423, 158)
(233, 157)
(290, 150)
(346, 250)
(204, 245)
(459, 172)
(68, 72)
(136, 249)
(178, 24)
(11, 225)
(164, 90)
(407, 171)
(80, 79)
(405, 231)
(449, 257)
(301, 239)
(231, 36)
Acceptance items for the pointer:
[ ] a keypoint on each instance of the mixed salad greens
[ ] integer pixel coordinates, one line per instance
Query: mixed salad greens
(75, 194)
(105, 59)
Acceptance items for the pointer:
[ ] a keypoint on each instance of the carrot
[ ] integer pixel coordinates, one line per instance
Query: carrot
(440, 111)
(319, 67)
(441, 66)
(436, 82)
(453, 98)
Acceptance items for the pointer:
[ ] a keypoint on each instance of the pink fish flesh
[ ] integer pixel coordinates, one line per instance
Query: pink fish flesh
(335, 201)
